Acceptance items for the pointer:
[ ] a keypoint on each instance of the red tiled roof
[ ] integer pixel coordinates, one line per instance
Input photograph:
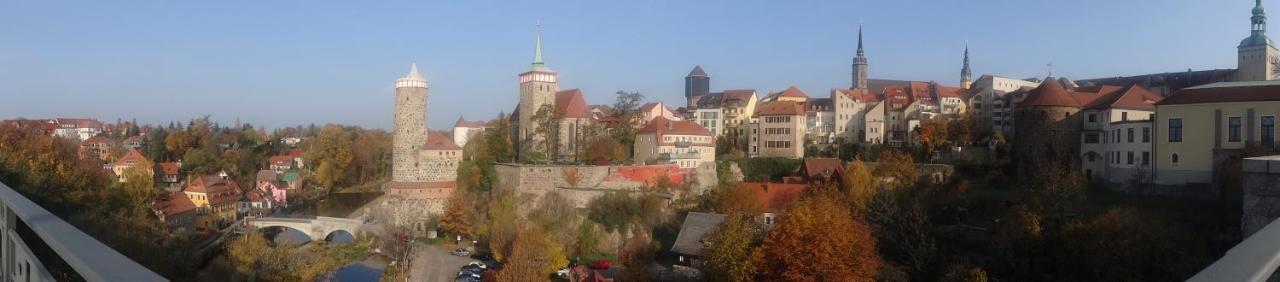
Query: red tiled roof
(295, 153)
(775, 197)
(947, 91)
(439, 141)
(169, 168)
(571, 104)
(780, 108)
(219, 190)
(791, 92)
(897, 97)
(97, 139)
(135, 138)
(821, 168)
(1134, 97)
(1050, 93)
(1224, 93)
(134, 157)
(281, 160)
(175, 203)
(648, 107)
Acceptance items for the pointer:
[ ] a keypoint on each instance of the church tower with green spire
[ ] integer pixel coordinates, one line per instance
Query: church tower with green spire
(538, 87)
(860, 65)
(1257, 53)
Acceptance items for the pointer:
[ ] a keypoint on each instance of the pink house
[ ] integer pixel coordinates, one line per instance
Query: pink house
(653, 110)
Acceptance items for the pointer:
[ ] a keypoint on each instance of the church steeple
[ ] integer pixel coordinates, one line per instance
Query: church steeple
(860, 65)
(966, 76)
(537, 64)
(1257, 28)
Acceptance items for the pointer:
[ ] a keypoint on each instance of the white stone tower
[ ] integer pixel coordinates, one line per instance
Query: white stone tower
(410, 132)
(860, 65)
(538, 87)
(1257, 54)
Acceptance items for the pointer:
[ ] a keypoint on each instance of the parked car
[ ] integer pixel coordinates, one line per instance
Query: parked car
(467, 278)
(478, 273)
(482, 256)
(600, 264)
(563, 272)
(462, 252)
(481, 265)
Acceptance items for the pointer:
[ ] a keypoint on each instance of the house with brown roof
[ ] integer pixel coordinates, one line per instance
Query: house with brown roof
(176, 211)
(573, 118)
(215, 198)
(1199, 130)
(96, 147)
(774, 198)
(132, 160)
(778, 131)
(169, 175)
(817, 171)
(664, 141)
(1116, 139)
(77, 128)
(654, 110)
(135, 142)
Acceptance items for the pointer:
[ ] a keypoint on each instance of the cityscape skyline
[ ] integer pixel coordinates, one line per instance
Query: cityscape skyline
(274, 72)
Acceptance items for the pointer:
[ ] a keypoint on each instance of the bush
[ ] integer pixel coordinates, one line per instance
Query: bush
(768, 169)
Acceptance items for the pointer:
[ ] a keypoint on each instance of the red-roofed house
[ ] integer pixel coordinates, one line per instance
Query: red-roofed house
(132, 159)
(215, 198)
(573, 117)
(778, 131)
(177, 211)
(280, 162)
(77, 128)
(683, 143)
(135, 142)
(169, 174)
(821, 170)
(1117, 136)
(774, 197)
(1201, 127)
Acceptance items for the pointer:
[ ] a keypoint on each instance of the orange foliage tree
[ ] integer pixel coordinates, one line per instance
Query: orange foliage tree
(818, 238)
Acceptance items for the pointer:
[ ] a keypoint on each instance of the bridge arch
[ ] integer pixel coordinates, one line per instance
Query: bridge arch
(339, 235)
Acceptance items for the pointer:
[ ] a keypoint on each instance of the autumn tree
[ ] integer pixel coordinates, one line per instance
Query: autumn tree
(963, 128)
(818, 237)
(137, 193)
(627, 108)
(1020, 245)
(534, 256)
(859, 186)
(177, 142)
(933, 134)
(331, 155)
(455, 218)
(588, 239)
(548, 129)
(501, 225)
(197, 161)
(727, 251)
(636, 255)
(735, 198)
(499, 140)
(898, 167)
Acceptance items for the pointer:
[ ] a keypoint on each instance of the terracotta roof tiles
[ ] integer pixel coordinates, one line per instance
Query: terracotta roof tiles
(780, 108)
(571, 104)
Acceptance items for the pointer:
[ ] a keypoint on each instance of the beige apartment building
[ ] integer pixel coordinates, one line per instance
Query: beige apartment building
(1199, 129)
(778, 130)
(680, 142)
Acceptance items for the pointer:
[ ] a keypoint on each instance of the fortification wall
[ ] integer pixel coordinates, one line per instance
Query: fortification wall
(580, 184)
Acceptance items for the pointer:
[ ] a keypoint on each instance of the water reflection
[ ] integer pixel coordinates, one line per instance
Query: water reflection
(335, 205)
(284, 235)
(357, 272)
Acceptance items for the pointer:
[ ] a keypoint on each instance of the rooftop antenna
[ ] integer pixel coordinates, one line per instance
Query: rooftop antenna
(1050, 65)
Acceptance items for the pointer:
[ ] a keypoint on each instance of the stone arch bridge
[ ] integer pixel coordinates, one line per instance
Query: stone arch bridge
(318, 228)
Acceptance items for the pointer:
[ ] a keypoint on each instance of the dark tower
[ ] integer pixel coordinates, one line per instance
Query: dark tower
(696, 85)
(860, 65)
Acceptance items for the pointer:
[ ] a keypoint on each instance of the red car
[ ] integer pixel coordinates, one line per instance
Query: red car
(600, 264)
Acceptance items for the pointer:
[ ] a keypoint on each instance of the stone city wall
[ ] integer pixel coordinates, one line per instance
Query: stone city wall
(580, 184)
(1261, 193)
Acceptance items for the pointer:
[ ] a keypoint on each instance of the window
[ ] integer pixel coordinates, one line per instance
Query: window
(1233, 129)
(1146, 134)
(1093, 117)
(1130, 135)
(1091, 157)
(1268, 130)
(1146, 158)
(1091, 138)
(1175, 158)
(1175, 133)
(1130, 158)
(1124, 116)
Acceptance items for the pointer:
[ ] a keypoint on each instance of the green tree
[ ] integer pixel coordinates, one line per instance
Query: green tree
(547, 120)
(728, 250)
(626, 106)
(331, 155)
(197, 161)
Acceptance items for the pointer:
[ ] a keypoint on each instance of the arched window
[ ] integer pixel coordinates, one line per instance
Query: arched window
(1175, 158)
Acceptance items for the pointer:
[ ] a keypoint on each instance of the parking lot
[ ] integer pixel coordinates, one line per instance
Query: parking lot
(434, 263)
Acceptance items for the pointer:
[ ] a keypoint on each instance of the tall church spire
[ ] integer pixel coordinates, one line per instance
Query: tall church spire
(860, 65)
(538, 65)
(1259, 19)
(966, 75)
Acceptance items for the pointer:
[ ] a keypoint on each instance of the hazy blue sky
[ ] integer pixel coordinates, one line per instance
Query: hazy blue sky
(281, 63)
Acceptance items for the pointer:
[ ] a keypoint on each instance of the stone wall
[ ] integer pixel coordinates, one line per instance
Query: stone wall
(409, 132)
(415, 214)
(1261, 193)
(580, 184)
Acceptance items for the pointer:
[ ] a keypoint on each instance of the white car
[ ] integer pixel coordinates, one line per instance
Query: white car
(478, 264)
(563, 272)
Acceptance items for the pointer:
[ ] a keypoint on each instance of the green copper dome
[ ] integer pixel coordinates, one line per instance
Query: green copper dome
(1256, 40)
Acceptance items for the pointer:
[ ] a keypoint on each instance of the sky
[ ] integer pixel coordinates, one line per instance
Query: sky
(283, 63)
